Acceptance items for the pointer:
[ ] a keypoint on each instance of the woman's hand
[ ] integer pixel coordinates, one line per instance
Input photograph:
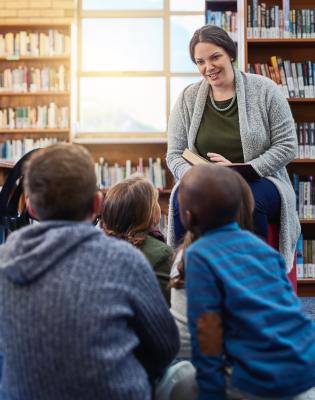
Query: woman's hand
(218, 159)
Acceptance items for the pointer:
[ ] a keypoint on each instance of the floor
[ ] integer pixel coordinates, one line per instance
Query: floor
(309, 306)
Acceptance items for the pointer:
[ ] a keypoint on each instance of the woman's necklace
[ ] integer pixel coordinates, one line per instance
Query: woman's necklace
(218, 108)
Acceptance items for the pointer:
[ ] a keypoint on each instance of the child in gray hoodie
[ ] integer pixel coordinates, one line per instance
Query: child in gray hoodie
(77, 308)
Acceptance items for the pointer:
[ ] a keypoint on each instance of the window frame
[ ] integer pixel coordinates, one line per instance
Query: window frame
(166, 73)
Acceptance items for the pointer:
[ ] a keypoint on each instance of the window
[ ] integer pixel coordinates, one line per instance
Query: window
(133, 61)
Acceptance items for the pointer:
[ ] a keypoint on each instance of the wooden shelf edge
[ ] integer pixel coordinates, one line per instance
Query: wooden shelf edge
(281, 40)
(32, 130)
(119, 140)
(51, 93)
(35, 58)
(6, 163)
(307, 221)
(301, 99)
(302, 161)
(306, 281)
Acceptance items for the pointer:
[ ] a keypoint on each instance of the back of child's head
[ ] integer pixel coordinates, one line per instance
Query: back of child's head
(244, 218)
(129, 208)
(209, 197)
(60, 182)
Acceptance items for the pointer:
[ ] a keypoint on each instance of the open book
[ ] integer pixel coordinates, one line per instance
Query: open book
(246, 170)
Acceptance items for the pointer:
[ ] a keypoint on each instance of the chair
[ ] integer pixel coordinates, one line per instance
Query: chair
(13, 212)
(273, 241)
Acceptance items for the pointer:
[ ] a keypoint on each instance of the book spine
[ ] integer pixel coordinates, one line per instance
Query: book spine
(286, 18)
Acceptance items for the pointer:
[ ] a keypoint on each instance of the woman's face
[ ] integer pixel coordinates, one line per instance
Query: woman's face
(214, 64)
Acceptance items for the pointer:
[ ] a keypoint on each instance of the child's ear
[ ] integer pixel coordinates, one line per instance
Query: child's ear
(97, 203)
(156, 217)
(30, 209)
(189, 220)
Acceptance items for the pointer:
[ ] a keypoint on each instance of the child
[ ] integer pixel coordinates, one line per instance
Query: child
(78, 309)
(178, 294)
(242, 311)
(130, 211)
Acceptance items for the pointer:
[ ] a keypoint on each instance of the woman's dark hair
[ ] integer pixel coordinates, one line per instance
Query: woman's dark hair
(215, 35)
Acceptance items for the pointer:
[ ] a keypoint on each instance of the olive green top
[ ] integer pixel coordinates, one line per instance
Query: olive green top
(219, 132)
(160, 256)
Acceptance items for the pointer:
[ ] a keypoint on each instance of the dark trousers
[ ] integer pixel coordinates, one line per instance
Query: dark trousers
(267, 209)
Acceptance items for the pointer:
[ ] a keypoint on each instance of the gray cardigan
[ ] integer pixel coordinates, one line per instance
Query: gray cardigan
(268, 139)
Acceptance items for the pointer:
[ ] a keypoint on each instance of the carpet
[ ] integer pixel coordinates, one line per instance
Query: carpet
(309, 306)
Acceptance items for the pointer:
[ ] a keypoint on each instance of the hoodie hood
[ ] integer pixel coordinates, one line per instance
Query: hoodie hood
(31, 251)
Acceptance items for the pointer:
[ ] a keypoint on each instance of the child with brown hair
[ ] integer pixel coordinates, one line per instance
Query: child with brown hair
(78, 309)
(130, 212)
(177, 281)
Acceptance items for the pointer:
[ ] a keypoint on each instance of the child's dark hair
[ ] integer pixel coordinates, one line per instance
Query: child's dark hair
(60, 182)
(244, 218)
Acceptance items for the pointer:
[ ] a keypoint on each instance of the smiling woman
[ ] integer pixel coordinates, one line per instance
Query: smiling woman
(231, 116)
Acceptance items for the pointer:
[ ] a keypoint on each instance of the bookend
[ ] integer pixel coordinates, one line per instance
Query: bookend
(13, 212)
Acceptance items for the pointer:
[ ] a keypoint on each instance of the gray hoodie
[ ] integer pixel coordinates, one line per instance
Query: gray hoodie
(78, 311)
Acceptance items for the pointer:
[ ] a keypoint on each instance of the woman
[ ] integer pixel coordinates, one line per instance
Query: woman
(231, 116)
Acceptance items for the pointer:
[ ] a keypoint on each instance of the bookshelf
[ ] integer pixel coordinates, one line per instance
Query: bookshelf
(298, 47)
(231, 14)
(34, 86)
(118, 151)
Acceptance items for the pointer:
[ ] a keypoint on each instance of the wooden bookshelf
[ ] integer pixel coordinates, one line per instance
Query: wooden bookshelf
(259, 50)
(306, 287)
(223, 6)
(58, 55)
(120, 152)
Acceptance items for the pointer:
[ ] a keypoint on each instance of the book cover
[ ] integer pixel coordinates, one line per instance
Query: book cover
(289, 77)
(246, 170)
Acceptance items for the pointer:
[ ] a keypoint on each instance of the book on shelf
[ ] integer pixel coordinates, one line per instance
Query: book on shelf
(304, 187)
(13, 150)
(296, 79)
(25, 79)
(306, 140)
(305, 258)
(40, 117)
(270, 21)
(108, 175)
(34, 44)
(246, 170)
(224, 19)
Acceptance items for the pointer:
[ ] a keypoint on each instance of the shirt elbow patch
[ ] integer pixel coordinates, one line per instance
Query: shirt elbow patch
(209, 330)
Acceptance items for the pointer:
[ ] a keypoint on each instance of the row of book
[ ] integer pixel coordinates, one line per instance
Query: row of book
(304, 187)
(24, 79)
(306, 139)
(273, 22)
(296, 79)
(40, 117)
(108, 175)
(224, 19)
(13, 150)
(305, 258)
(24, 43)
